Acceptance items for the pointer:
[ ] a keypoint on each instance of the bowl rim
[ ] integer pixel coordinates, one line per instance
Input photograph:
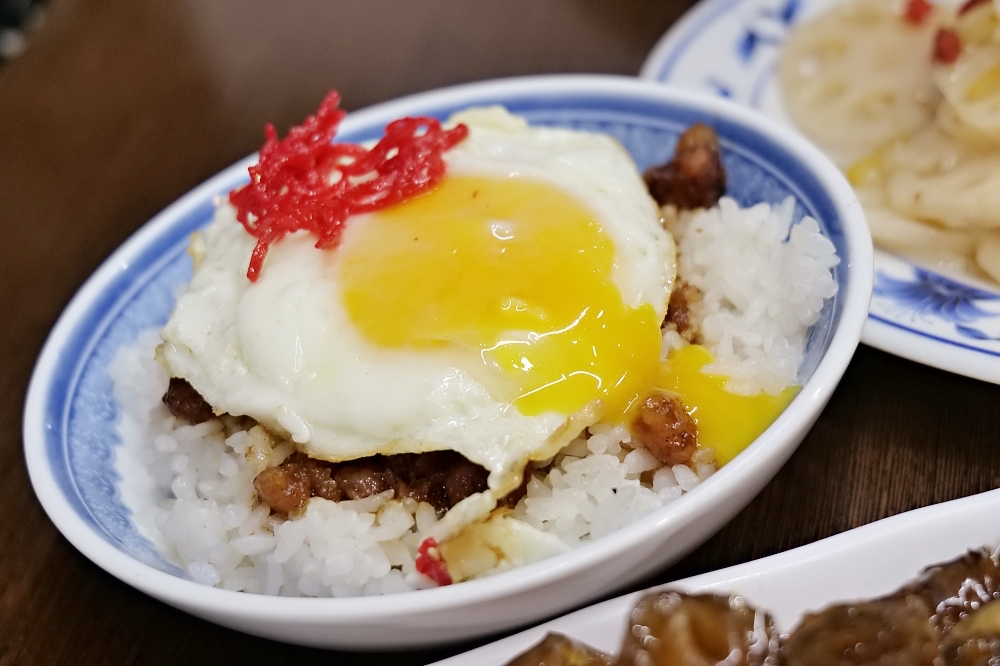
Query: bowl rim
(778, 440)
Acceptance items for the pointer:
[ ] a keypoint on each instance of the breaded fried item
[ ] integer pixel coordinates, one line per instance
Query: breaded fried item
(673, 628)
(558, 650)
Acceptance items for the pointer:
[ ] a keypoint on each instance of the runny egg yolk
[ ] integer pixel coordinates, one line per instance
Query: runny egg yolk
(513, 275)
(727, 422)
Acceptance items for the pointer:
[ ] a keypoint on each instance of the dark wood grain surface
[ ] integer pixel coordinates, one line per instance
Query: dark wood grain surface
(120, 106)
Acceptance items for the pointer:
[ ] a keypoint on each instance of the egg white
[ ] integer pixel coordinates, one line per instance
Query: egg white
(284, 351)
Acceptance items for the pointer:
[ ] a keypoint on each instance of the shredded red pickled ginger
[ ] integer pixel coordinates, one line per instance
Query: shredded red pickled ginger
(305, 181)
(947, 46)
(430, 562)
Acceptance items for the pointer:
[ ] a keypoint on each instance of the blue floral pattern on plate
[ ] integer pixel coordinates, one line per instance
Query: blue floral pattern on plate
(730, 48)
(931, 295)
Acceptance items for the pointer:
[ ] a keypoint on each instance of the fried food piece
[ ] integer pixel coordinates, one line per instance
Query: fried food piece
(907, 628)
(954, 589)
(695, 177)
(558, 650)
(672, 628)
(893, 631)
(664, 427)
(975, 640)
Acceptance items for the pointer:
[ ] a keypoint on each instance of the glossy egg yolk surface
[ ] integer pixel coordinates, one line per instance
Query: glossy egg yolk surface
(513, 276)
(727, 422)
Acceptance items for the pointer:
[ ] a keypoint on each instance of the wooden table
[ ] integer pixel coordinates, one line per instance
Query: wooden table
(118, 107)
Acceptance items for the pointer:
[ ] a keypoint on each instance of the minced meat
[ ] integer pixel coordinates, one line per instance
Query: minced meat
(695, 177)
(664, 427)
(186, 403)
(681, 317)
(441, 478)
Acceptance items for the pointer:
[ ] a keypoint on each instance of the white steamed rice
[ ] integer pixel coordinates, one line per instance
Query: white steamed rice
(760, 296)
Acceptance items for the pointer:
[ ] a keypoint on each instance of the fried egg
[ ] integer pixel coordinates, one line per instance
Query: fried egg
(497, 315)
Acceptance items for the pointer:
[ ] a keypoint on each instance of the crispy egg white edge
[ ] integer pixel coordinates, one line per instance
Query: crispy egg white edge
(263, 349)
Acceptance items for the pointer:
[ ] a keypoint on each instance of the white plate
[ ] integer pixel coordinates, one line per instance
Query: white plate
(730, 48)
(865, 562)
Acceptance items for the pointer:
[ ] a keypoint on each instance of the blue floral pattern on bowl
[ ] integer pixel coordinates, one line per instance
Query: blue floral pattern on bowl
(136, 292)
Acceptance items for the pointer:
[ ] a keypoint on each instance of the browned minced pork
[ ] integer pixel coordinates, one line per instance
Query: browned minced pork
(665, 428)
(186, 403)
(511, 499)
(464, 478)
(360, 480)
(441, 478)
(695, 177)
(680, 317)
(285, 489)
(321, 480)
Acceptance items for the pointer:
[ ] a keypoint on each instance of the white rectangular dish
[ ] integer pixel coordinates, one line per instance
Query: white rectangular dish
(865, 562)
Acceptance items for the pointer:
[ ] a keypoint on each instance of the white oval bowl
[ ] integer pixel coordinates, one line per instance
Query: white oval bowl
(70, 415)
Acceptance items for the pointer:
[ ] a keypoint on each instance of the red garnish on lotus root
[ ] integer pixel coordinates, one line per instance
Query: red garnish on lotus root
(916, 11)
(307, 182)
(430, 563)
(947, 46)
